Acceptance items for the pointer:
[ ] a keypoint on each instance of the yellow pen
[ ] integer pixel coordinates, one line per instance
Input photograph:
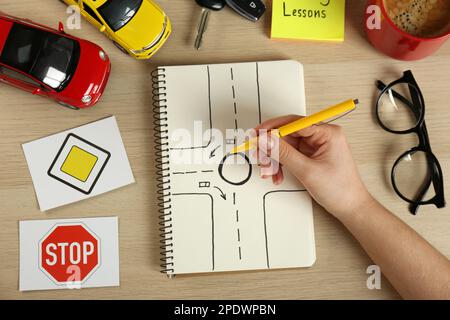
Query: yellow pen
(304, 123)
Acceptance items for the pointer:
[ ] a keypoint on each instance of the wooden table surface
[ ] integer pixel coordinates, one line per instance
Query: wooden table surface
(333, 72)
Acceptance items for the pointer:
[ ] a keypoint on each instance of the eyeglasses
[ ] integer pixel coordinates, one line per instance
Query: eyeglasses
(416, 175)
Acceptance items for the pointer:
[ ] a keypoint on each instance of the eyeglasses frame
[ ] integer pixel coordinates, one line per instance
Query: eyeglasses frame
(417, 106)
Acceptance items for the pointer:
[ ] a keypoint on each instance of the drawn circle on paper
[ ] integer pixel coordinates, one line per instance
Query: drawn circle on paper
(235, 169)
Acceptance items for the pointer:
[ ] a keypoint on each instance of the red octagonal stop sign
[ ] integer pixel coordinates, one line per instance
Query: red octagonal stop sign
(69, 253)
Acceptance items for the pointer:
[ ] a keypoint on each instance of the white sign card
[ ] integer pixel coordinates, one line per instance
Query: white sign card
(69, 253)
(78, 164)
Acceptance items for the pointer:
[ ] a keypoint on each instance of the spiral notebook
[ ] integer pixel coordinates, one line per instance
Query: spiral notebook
(217, 214)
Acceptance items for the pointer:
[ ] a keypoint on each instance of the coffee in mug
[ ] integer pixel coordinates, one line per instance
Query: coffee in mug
(420, 18)
(408, 29)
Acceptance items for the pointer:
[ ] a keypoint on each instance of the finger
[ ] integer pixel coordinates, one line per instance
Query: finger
(278, 122)
(270, 169)
(306, 148)
(265, 144)
(265, 166)
(264, 159)
(286, 154)
(291, 140)
(316, 130)
(317, 136)
(301, 145)
(278, 178)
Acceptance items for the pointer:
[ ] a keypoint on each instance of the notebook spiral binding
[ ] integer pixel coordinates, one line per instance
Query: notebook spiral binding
(162, 168)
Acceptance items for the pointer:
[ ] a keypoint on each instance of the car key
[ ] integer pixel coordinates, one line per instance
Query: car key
(208, 6)
(249, 9)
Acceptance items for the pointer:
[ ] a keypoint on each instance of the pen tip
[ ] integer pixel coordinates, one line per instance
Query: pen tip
(356, 101)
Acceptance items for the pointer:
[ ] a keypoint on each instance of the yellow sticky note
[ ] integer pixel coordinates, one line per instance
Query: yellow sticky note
(308, 19)
(79, 163)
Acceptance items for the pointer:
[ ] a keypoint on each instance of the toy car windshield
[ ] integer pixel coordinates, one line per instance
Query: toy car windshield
(48, 57)
(117, 13)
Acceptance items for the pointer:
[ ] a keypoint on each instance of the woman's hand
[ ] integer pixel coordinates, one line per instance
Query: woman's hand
(320, 158)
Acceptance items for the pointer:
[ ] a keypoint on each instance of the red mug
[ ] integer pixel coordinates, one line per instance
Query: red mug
(395, 42)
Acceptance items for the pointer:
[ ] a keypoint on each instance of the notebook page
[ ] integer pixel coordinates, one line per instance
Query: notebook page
(227, 218)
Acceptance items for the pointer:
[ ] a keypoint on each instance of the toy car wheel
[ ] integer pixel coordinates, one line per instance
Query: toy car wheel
(68, 106)
(120, 47)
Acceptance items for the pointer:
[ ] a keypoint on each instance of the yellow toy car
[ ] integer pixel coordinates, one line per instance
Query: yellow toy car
(137, 27)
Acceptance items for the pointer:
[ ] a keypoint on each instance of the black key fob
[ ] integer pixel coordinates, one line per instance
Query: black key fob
(215, 5)
(249, 9)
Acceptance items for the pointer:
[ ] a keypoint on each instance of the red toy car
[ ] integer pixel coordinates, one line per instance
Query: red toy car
(51, 63)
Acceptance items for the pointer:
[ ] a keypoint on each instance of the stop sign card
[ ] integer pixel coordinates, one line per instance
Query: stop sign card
(77, 164)
(69, 253)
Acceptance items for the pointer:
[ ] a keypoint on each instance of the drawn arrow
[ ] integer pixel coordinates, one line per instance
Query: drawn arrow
(213, 152)
(223, 195)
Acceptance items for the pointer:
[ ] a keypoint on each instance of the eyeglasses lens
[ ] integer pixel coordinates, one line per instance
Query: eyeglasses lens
(396, 108)
(412, 176)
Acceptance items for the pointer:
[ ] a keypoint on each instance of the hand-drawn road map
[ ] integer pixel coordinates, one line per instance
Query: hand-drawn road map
(224, 216)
